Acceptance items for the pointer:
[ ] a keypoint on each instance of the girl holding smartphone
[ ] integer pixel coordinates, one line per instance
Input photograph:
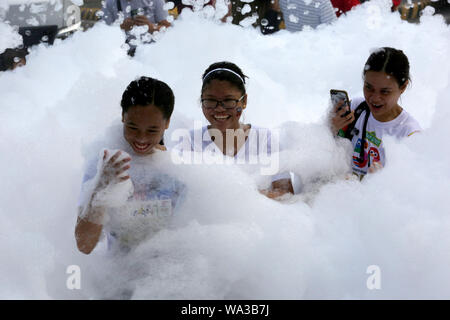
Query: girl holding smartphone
(378, 113)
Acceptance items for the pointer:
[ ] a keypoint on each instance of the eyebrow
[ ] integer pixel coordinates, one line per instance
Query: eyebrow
(133, 124)
(385, 88)
(226, 96)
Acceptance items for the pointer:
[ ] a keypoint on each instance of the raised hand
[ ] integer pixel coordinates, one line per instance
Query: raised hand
(112, 169)
(341, 116)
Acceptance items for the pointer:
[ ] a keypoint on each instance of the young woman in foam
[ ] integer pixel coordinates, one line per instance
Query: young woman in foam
(223, 100)
(147, 105)
(386, 76)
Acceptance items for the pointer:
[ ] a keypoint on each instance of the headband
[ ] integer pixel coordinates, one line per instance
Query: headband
(224, 69)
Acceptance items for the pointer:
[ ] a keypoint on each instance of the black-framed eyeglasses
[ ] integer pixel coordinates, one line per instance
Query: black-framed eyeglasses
(226, 104)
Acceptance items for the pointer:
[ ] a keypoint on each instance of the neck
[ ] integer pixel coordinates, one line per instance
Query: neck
(394, 113)
(237, 139)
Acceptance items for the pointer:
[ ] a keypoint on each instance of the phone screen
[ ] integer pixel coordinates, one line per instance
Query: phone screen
(339, 95)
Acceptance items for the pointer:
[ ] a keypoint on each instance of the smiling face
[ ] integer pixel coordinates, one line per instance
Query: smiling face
(143, 128)
(219, 117)
(382, 92)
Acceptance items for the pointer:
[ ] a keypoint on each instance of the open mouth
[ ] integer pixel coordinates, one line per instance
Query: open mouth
(221, 118)
(141, 147)
(376, 106)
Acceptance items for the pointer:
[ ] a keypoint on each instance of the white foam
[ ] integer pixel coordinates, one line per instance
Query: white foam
(229, 241)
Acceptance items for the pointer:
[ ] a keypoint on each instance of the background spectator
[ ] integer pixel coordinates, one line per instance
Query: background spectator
(12, 58)
(300, 13)
(136, 13)
(343, 6)
(263, 13)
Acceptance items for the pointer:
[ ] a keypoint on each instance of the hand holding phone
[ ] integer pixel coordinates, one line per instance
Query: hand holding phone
(343, 115)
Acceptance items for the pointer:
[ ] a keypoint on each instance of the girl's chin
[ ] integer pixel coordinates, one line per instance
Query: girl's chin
(223, 125)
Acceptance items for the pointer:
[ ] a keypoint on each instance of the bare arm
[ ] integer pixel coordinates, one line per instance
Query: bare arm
(90, 221)
(87, 233)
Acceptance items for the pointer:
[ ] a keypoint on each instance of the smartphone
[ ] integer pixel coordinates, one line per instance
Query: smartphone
(339, 95)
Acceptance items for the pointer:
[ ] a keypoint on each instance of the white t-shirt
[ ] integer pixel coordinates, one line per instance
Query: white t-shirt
(402, 126)
(258, 141)
(149, 208)
(255, 153)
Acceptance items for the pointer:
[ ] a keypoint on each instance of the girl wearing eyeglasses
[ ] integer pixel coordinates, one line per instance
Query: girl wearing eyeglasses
(223, 100)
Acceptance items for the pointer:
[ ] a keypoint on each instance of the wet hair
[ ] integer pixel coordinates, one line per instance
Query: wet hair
(391, 61)
(232, 73)
(9, 57)
(145, 91)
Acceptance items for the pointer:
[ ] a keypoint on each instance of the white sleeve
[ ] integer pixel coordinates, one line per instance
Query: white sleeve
(411, 126)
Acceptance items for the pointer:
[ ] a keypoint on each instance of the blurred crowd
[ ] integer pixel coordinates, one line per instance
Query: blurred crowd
(268, 15)
(141, 19)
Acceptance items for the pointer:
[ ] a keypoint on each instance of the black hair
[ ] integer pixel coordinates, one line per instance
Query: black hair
(9, 56)
(391, 61)
(145, 91)
(224, 75)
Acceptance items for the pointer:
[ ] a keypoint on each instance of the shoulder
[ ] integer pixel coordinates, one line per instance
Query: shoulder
(260, 132)
(355, 102)
(409, 125)
(197, 131)
(199, 138)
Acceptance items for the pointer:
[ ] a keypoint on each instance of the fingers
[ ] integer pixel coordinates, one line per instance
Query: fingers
(122, 170)
(338, 106)
(113, 161)
(120, 163)
(114, 157)
(342, 108)
(349, 117)
(121, 179)
(115, 167)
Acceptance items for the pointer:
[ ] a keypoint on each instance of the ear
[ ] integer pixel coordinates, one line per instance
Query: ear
(244, 102)
(404, 86)
(167, 124)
